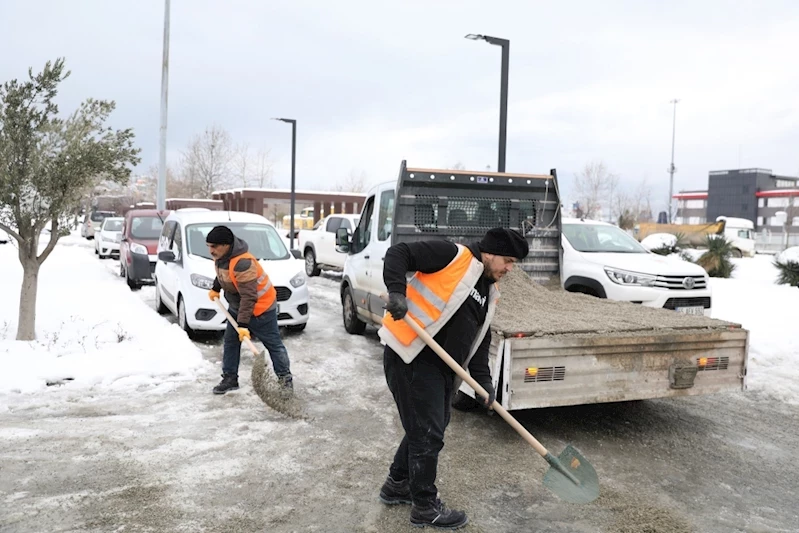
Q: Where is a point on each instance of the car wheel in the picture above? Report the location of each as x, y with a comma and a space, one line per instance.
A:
160, 308
182, 322
352, 323
131, 283
121, 269
311, 268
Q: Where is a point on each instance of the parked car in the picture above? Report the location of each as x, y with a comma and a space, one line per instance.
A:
106, 242
185, 270
602, 260
318, 245
138, 244
92, 222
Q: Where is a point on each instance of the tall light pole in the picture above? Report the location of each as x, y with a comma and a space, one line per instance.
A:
293, 123
503, 92
672, 169
160, 202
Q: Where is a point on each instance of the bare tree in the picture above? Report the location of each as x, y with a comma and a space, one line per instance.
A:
355, 182
241, 165
591, 185
206, 162
263, 169
175, 186
631, 208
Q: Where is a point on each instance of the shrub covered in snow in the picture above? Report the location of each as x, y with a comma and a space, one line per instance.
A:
787, 263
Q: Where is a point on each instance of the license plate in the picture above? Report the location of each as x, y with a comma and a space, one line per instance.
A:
699, 311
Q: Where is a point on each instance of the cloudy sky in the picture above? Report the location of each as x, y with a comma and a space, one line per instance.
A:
373, 82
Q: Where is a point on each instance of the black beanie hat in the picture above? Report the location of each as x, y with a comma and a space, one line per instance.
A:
220, 235
505, 242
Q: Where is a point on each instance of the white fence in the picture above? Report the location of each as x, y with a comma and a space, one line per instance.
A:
769, 242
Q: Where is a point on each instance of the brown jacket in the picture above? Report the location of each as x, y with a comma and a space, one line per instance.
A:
246, 274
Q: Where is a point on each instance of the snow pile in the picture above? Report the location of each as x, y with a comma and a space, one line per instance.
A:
788, 255
769, 311
659, 240
91, 330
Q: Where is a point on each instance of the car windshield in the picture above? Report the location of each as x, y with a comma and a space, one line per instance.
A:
112, 225
99, 216
146, 228
600, 238
263, 240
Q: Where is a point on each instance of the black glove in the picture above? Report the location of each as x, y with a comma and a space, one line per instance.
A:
492, 395
396, 305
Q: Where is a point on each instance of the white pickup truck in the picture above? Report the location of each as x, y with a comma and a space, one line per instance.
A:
318, 245
594, 358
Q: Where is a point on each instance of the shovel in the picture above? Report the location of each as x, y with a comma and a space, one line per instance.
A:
570, 476
263, 382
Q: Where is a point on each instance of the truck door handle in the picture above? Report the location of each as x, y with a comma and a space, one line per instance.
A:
366, 257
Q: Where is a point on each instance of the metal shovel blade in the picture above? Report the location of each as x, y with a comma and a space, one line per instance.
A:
572, 477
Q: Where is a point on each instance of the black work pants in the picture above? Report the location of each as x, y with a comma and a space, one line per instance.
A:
423, 393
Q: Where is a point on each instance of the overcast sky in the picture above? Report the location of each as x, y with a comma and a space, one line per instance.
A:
372, 82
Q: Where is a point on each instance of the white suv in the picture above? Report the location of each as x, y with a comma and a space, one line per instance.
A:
602, 260
184, 272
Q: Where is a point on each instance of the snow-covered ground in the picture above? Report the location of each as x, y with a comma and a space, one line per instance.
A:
771, 314
91, 329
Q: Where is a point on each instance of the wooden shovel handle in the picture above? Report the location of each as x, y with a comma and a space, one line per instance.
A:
430, 341
233, 323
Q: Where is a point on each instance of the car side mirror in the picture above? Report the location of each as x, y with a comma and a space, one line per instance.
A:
167, 256
342, 240
296, 253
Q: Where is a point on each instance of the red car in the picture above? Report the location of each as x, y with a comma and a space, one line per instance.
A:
137, 250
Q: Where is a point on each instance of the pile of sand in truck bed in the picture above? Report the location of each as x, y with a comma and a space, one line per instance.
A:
527, 307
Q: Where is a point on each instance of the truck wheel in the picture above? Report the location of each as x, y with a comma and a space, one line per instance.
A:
737, 253
311, 268
352, 323
463, 402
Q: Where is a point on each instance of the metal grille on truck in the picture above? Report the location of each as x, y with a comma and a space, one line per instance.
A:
674, 303
546, 373
467, 214
712, 363
283, 293
681, 283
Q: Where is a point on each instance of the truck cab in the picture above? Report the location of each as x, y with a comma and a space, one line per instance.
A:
741, 233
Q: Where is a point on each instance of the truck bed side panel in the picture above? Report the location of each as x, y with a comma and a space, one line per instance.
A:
572, 370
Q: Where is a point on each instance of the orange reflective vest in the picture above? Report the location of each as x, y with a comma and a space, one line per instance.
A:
267, 295
432, 300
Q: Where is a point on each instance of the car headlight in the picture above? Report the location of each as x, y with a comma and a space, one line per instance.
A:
622, 277
298, 280
138, 248
202, 282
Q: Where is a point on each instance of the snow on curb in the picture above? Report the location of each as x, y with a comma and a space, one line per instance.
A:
91, 330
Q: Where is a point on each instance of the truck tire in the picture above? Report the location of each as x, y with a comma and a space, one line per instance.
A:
352, 323
463, 402
737, 253
311, 268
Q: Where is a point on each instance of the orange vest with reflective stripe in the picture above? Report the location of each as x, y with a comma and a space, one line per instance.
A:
267, 295
432, 300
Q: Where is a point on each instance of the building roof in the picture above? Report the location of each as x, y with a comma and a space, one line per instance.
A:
776, 193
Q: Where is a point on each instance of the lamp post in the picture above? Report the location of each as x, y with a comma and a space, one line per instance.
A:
503, 92
160, 201
672, 169
293, 123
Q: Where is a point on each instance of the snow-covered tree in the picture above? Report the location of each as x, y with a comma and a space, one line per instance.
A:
47, 164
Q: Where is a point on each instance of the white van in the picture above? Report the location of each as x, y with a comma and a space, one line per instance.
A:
741, 233
184, 272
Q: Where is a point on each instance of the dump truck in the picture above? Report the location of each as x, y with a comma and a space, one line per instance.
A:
549, 347
739, 231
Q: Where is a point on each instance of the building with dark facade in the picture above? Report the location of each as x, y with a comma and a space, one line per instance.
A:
755, 194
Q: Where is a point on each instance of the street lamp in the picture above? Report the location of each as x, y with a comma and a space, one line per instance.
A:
503, 92
293, 162
672, 169
160, 196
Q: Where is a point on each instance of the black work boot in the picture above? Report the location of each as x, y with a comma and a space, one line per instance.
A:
438, 516
286, 383
394, 492
229, 382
